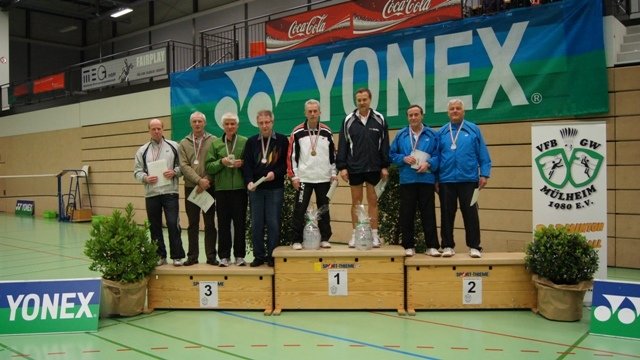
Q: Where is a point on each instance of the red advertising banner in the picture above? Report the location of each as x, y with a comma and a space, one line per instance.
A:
356, 18
49, 83
21, 90
328, 24
377, 16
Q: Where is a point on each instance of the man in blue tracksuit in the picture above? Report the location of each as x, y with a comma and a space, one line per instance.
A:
465, 165
415, 151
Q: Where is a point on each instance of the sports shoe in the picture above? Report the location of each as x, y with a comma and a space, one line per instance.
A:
475, 253
271, 263
224, 262
190, 262
433, 252
256, 263
213, 262
161, 262
325, 245
376, 241
352, 242
409, 252
177, 262
448, 252
240, 262
296, 246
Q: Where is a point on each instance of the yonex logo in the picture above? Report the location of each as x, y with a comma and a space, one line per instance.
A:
625, 315
243, 80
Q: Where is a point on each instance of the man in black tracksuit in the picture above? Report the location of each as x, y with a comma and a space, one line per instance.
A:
363, 156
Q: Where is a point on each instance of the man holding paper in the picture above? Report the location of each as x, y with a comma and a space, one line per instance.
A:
198, 189
265, 166
415, 151
465, 166
157, 166
311, 167
363, 156
224, 163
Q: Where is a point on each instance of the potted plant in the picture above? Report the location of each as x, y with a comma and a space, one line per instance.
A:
563, 264
125, 256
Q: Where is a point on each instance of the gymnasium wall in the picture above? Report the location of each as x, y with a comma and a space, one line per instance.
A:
112, 129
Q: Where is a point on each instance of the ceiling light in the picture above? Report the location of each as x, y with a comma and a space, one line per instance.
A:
121, 11
68, 29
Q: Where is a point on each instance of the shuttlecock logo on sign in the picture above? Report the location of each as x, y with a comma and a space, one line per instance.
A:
577, 166
625, 315
243, 79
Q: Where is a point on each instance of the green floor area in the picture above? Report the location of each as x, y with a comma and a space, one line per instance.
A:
45, 249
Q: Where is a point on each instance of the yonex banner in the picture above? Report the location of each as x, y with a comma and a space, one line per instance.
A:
569, 180
538, 62
44, 306
615, 309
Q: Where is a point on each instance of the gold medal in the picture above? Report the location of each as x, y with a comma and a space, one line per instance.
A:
313, 153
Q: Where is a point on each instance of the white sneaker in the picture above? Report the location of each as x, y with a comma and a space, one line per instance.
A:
376, 241
448, 252
161, 262
296, 246
433, 252
409, 252
177, 262
352, 242
240, 262
475, 253
325, 245
224, 262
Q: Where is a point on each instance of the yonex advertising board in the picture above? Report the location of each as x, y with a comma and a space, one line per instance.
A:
615, 309
544, 61
48, 306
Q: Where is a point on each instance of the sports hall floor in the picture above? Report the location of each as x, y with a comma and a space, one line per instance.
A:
38, 248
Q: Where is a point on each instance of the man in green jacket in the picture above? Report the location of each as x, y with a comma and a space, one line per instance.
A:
224, 163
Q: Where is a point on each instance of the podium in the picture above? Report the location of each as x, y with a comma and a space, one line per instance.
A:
339, 278
204, 286
495, 281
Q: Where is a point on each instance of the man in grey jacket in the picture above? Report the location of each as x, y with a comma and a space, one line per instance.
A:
157, 166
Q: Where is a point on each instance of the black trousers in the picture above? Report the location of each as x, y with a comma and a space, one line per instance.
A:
232, 206
450, 195
303, 197
210, 234
418, 196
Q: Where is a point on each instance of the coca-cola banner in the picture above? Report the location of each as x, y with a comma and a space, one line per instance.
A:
530, 63
314, 27
356, 18
376, 16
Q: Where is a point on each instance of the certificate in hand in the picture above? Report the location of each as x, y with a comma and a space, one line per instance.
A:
420, 157
379, 188
204, 200
157, 168
475, 196
332, 189
260, 181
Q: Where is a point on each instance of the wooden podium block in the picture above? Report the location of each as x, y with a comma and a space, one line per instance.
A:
495, 281
239, 287
339, 278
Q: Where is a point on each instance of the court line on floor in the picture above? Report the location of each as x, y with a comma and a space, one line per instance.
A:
405, 318
181, 339
17, 353
573, 346
124, 346
47, 252
334, 337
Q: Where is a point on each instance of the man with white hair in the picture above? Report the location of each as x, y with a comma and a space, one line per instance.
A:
465, 165
224, 163
193, 152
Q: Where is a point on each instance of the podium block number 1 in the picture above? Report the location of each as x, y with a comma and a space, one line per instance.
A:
338, 283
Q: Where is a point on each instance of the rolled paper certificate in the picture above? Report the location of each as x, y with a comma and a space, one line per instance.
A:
260, 181
332, 189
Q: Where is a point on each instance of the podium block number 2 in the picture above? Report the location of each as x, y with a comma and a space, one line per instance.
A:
338, 283
471, 291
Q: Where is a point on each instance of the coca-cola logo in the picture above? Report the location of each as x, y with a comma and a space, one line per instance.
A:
404, 7
315, 25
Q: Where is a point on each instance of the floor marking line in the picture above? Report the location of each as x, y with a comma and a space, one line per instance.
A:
317, 333
573, 346
130, 323
501, 334
16, 352
125, 347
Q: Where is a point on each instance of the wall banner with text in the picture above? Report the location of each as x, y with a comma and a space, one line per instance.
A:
569, 180
545, 61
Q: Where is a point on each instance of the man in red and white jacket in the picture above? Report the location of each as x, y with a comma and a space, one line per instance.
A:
311, 167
